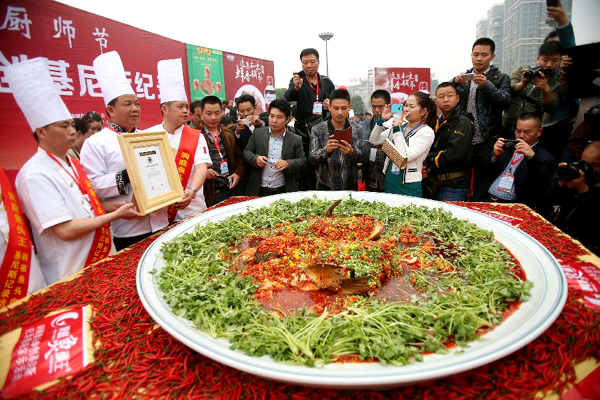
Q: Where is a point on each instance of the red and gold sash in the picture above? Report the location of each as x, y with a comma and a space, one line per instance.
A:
102, 241
14, 272
184, 160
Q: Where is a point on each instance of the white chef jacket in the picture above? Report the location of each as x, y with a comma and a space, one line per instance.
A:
101, 159
36, 278
49, 197
202, 156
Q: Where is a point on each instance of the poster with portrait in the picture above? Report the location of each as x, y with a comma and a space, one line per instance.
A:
249, 75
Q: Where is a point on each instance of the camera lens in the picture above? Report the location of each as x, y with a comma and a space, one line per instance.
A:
567, 173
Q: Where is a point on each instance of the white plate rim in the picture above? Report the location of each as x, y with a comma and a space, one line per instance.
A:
344, 375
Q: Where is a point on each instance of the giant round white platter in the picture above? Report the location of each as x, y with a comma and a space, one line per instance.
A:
534, 316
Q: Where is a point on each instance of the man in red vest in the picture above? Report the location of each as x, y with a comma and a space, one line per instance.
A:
70, 226
191, 153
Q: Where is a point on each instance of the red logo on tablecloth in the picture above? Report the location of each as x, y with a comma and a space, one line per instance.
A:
511, 220
585, 277
46, 350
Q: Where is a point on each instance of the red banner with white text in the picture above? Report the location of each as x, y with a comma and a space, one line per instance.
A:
248, 75
70, 39
401, 82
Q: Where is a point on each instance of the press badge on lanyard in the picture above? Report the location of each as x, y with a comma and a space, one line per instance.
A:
373, 155
317, 105
507, 179
223, 164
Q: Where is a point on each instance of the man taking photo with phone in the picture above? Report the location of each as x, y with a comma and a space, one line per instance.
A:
311, 92
336, 160
484, 93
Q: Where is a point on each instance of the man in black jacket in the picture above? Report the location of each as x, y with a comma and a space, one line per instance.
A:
572, 204
311, 92
518, 172
484, 93
448, 162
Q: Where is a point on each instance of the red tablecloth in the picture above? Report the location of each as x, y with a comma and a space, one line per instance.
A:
135, 357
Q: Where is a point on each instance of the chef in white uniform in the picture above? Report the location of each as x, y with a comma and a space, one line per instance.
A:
101, 154
52, 186
175, 110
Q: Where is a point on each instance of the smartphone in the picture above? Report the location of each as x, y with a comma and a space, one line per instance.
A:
468, 77
396, 108
551, 3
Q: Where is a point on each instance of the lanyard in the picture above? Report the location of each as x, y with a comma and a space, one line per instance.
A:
75, 176
313, 88
516, 158
216, 141
411, 131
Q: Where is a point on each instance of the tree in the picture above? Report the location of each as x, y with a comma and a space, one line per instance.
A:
280, 92
358, 105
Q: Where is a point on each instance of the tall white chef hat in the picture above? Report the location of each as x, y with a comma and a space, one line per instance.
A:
35, 93
111, 76
170, 81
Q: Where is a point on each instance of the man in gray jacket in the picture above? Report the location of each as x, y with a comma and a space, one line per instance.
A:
275, 154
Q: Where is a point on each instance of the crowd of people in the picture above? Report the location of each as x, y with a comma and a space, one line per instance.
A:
482, 136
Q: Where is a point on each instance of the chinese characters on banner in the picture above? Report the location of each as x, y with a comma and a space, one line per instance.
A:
401, 82
249, 75
51, 348
585, 277
70, 39
228, 76
15, 267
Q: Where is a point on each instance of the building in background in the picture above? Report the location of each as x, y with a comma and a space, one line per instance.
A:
518, 27
361, 87
496, 31
482, 28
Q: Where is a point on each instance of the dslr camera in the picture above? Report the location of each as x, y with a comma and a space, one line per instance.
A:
570, 171
509, 144
534, 72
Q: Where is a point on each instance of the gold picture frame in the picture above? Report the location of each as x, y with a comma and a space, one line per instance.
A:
152, 171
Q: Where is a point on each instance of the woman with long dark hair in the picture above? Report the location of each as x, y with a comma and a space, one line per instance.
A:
413, 135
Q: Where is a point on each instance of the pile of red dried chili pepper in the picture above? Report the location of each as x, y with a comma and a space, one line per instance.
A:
134, 357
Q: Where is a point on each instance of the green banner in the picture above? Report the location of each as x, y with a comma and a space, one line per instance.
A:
205, 67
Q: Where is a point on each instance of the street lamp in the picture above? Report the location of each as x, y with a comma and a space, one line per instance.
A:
326, 36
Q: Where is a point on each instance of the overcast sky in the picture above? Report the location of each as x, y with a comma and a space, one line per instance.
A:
419, 33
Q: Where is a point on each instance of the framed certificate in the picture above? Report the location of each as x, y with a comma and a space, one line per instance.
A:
151, 168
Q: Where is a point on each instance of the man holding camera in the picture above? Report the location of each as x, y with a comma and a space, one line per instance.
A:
534, 89
519, 170
574, 196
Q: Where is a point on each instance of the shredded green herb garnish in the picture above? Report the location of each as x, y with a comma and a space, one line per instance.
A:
199, 285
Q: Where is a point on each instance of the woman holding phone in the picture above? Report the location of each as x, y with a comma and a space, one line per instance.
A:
413, 135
